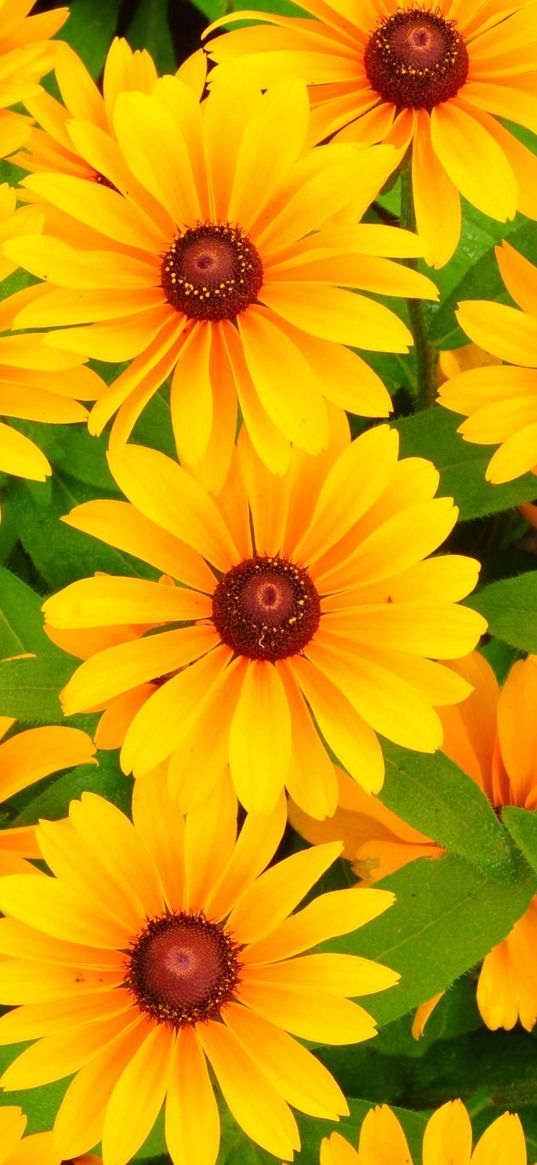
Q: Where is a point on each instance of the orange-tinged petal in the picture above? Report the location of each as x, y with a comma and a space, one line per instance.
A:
503, 1141
56, 1056
266, 903
98, 207
121, 668
174, 501
382, 1140
436, 199
13, 1124
272, 139
345, 731
309, 1013
329, 915
33, 1020
191, 399
335, 1150
300, 415
260, 738
20, 456
311, 780
137, 1097
161, 828
157, 153
192, 1126
209, 842
89, 1092
39, 751
256, 844
56, 907
467, 153
448, 1136
519, 276
22, 982
290, 1069
355, 481
107, 599
335, 974
337, 315
176, 704
202, 758
517, 732
516, 456
256, 1106
119, 524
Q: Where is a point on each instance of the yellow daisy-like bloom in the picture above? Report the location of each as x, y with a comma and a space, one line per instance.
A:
26, 54
491, 735
160, 947
447, 1140
501, 403
50, 145
219, 262
16, 1149
433, 77
24, 759
307, 602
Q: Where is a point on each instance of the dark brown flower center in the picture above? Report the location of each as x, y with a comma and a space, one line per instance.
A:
212, 272
182, 968
416, 59
266, 608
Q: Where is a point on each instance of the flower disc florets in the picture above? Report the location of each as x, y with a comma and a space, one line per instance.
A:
182, 968
416, 59
266, 608
212, 272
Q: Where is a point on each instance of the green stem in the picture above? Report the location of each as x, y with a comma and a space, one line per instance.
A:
426, 354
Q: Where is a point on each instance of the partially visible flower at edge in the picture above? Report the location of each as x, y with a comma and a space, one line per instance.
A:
432, 78
447, 1140
308, 605
164, 946
501, 402
492, 736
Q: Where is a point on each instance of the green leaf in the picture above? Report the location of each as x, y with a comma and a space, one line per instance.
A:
446, 918
522, 825
212, 9
53, 801
435, 796
510, 606
29, 688
60, 553
83, 457
149, 29
90, 29
21, 621
433, 434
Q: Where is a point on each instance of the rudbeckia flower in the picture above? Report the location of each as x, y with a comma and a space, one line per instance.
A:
447, 1140
50, 146
306, 609
24, 759
216, 258
36, 383
491, 736
160, 948
501, 402
16, 1149
434, 78
26, 54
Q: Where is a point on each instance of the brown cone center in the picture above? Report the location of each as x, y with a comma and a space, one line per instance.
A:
212, 272
416, 59
182, 968
266, 608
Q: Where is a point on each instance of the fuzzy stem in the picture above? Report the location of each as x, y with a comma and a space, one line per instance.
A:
426, 354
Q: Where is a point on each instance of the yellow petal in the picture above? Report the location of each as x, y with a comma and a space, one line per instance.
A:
260, 738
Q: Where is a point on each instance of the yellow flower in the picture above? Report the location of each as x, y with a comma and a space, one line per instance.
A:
492, 737
26, 54
51, 146
431, 77
306, 595
15, 1149
24, 759
501, 402
161, 947
447, 1140
219, 262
